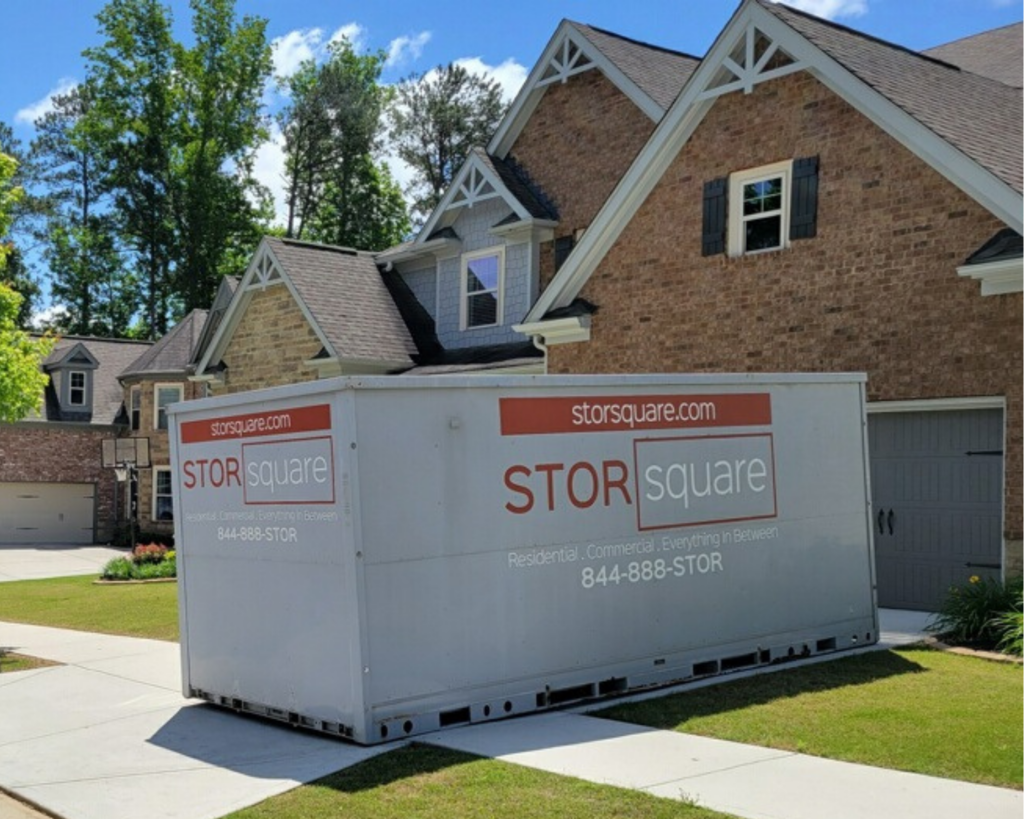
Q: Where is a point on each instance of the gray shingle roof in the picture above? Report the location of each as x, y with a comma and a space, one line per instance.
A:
997, 54
977, 115
113, 355
344, 292
173, 352
658, 72
513, 178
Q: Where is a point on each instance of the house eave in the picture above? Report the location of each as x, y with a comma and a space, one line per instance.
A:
998, 277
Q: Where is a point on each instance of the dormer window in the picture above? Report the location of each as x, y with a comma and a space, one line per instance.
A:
166, 394
76, 389
483, 275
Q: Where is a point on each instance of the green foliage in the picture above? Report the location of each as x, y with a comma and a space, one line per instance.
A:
148, 562
22, 380
1010, 628
968, 614
17, 276
436, 120
119, 568
336, 192
10, 195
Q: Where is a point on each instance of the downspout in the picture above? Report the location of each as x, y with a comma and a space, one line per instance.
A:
538, 342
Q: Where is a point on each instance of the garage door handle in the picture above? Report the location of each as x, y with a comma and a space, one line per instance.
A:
983, 565
892, 517
881, 521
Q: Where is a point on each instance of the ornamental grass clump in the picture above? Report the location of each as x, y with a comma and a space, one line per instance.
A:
980, 613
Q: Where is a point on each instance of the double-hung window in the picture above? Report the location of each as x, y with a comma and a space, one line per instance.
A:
759, 202
166, 394
76, 388
135, 398
163, 503
483, 278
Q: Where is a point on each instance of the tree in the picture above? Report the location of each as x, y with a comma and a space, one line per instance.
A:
331, 130
436, 120
22, 380
177, 128
89, 276
16, 275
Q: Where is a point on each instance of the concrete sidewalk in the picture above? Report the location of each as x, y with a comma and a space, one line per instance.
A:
53, 560
109, 736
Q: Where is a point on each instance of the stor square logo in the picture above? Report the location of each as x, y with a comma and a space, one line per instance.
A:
292, 471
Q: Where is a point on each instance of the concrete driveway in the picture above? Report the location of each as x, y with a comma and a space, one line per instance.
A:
32, 562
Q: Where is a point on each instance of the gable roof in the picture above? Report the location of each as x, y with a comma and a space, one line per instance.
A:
649, 75
173, 352
341, 294
979, 116
996, 54
659, 72
967, 127
112, 356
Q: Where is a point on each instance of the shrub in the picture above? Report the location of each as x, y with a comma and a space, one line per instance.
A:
1010, 627
971, 613
152, 571
120, 568
149, 553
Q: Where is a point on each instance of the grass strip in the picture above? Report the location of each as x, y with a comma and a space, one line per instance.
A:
433, 783
145, 610
915, 710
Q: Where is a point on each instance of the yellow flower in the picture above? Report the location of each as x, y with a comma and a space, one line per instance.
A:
975, 578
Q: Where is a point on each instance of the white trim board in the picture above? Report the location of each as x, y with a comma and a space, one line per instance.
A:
937, 404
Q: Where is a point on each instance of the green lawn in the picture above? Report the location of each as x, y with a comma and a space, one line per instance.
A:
913, 710
431, 783
18, 662
142, 610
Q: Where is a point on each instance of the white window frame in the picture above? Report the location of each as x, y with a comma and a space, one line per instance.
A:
156, 483
737, 233
156, 400
464, 296
135, 421
84, 388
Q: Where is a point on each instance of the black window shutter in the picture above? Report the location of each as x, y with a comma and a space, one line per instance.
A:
715, 196
803, 206
563, 247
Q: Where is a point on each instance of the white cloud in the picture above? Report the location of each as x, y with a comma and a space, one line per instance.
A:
830, 9
353, 32
268, 168
294, 48
510, 75
43, 319
406, 49
30, 113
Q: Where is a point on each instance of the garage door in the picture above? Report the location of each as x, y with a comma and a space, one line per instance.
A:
937, 486
47, 512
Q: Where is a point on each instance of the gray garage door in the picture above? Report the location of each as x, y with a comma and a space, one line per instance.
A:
936, 482
46, 512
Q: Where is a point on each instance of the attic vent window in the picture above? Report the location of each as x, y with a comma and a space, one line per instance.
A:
569, 59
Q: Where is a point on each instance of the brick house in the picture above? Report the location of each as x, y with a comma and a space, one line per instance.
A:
818, 200
52, 486
605, 223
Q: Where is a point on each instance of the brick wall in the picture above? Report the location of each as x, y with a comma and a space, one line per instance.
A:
270, 344
876, 291
60, 454
580, 140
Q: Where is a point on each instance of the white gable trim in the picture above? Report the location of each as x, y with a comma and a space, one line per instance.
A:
555, 53
466, 190
264, 271
689, 109
1004, 276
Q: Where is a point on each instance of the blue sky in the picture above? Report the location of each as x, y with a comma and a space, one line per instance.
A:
44, 39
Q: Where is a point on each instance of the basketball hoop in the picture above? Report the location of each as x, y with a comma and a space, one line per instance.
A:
126, 456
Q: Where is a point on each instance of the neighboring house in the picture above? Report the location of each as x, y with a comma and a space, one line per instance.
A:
819, 200
151, 383
802, 198
52, 486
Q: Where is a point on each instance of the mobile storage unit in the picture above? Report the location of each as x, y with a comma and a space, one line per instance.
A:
383, 556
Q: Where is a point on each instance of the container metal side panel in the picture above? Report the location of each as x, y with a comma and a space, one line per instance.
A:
505, 545
268, 589
181, 562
